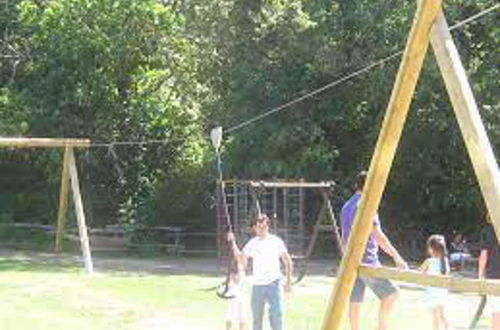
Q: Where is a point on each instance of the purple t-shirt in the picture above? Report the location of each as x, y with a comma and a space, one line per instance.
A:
347, 217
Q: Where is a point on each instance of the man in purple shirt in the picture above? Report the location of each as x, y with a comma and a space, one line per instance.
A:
384, 289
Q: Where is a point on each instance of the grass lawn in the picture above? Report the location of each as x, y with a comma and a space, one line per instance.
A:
43, 292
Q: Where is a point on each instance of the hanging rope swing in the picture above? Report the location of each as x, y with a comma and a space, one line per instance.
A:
222, 290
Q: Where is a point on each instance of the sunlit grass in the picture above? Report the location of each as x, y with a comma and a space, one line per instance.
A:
47, 293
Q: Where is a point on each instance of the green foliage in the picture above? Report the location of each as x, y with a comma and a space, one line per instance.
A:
124, 70
268, 57
111, 70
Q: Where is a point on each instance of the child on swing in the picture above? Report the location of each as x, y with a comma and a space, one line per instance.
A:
436, 264
237, 306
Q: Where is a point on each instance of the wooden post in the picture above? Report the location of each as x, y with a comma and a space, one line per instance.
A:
236, 220
316, 230
275, 202
286, 215
382, 159
256, 202
454, 284
244, 189
468, 117
80, 215
331, 217
301, 219
43, 143
63, 201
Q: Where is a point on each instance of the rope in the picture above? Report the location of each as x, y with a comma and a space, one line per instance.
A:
474, 17
317, 91
349, 76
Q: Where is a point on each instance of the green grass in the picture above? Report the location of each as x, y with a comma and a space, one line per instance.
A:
46, 293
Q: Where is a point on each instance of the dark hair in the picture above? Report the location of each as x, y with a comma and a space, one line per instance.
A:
361, 179
259, 218
438, 243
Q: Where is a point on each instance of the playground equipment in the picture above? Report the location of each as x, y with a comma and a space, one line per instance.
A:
69, 180
429, 26
300, 211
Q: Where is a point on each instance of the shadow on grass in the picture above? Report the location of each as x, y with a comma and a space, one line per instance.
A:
41, 264
129, 265
121, 265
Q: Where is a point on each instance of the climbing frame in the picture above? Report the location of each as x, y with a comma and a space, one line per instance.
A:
299, 211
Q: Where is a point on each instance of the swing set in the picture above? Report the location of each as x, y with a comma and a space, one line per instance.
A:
285, 201
429, 28
300, 212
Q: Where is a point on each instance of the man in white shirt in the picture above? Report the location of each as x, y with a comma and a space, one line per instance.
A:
266, 251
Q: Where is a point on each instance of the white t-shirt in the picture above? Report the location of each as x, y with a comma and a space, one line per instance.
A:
265, 253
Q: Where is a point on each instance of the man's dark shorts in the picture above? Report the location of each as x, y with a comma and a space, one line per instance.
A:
382, 288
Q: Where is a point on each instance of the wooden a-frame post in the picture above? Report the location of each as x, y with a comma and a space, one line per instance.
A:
63, 202
69, 178
80, 214
429, 23
469, 120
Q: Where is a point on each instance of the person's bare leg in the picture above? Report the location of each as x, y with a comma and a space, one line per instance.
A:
436, 319
386, 308
354, 315
442, 317
496, 320
243, 326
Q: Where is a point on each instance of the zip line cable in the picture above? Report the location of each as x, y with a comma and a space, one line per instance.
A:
305, 96
474, 17
349, 76
313, 93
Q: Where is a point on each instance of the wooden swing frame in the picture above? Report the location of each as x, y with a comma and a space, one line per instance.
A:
326, 213
69, 178
429, 27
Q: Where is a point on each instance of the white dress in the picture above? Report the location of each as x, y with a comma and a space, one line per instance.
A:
238, 307
435, 297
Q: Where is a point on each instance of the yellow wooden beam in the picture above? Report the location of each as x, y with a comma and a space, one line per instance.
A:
80, 214
63, 201
290, 184
454, 284
396, 113
43, 143
468, 117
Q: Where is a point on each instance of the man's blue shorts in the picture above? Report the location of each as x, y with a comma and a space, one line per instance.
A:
382, 288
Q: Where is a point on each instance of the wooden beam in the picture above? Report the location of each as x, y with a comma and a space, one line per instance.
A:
317, 228
256, 202
80, 214
43, 143
333, 221
291, 184
63, 201
454, 284
392, 127
468, 117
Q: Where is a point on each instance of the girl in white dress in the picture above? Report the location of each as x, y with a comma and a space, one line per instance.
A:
436, 264
237, 311
237, 306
